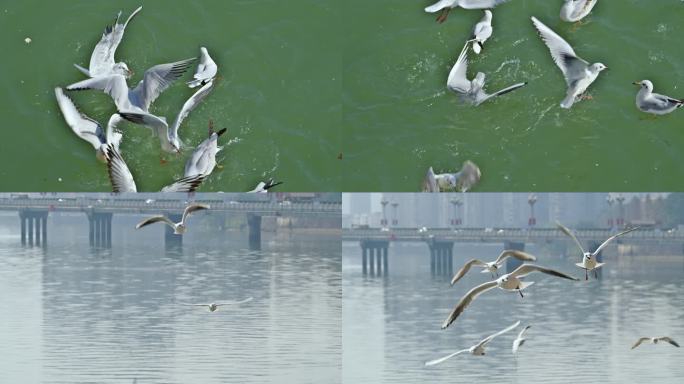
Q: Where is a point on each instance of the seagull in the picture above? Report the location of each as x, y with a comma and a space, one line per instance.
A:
655, 103
520, 340
576, 10
206, 70
178, 228
102, 59
189, 105
133, 104
482, 31
492, 266
214, 306
446, 5
589, 261
88, 129
508, 282
655, 340
579, 74
463, 180
122, 179
477, 349
203, 159
264, 186
472, 91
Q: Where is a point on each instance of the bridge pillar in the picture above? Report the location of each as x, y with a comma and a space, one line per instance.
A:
385, 263
364, 257
33, 221
441, 253
254, 223
30, 230
171, 240
511, 262
23, 219
374, 252
371, 263
100, 229
593, 245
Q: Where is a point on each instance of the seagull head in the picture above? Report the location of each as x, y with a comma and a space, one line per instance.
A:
645, 84
587, 255
598, 67
488, 14
122, 69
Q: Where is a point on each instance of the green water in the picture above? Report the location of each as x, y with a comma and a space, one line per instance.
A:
279, 94
399, 118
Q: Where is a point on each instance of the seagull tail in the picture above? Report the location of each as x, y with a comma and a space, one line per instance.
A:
194, 83
568, 102
83, 70
436, 7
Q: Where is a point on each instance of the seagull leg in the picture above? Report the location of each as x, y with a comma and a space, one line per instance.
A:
443, 16
595, 274
520, 292
586, 275
586, 96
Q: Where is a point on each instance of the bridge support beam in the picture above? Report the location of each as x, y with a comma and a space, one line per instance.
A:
254, 224
511, 262
441, 257
100, 229
374, 252
33, 220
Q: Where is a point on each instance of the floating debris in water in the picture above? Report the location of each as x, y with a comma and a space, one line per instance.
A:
28, 40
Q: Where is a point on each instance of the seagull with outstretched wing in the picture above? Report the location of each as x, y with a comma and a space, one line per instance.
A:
214, 306
477, 349
178, 228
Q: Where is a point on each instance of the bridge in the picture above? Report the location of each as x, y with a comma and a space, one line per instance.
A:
375, 242
34, 210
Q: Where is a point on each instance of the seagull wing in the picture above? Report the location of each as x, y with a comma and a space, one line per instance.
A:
491, 337
102, 59
113, 85
112, 135
520, 255
82, 125
605, 243
189, 105
565, 230
466, 267
185, 184
457, 80
235, 302
482, 96
564, 56
430, 182
445, 358
119, 174
526, 269
520, 335
638, 343
157, 79
156, 219
479, 4
192, 208
466, 300
669, 340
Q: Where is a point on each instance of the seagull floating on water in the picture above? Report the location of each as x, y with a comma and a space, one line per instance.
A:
520, 340
482, 31
509, 282
264, 186
655, 103
87, 128
492, 266
206, 70
576, 10
446, 5
655, 340
178, 228
472, 91
589, 261
462, 181
214, 306
578, 73
477, 349
102, 59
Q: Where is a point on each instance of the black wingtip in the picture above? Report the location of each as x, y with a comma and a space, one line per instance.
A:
221, 132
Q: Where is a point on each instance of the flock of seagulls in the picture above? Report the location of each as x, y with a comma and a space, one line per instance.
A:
578, 73
515, 282
133, 105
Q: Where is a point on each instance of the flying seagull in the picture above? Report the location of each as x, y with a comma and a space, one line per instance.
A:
655, 103
520, 340
578, 73
178, 228
188, 106
446, 5
477, 349
122, 179
88, 129
462, 181
264, 186
655, 340
492, 266
133, 104
206, 70
203, 159
482, 31
214, 306
576, 10
508, 282
589, 261
102, 60
472, 91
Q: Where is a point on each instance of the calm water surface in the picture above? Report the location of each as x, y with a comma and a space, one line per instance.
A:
71, 314
581, 332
